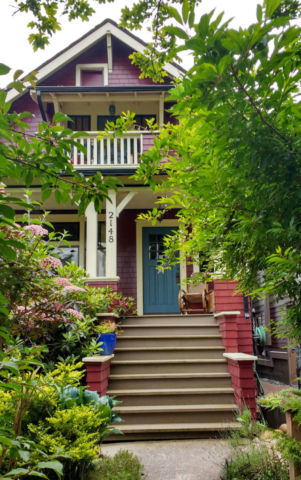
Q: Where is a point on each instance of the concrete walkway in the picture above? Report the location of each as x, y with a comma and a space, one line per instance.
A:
177, 460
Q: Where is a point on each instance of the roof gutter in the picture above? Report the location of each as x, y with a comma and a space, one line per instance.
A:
104, 89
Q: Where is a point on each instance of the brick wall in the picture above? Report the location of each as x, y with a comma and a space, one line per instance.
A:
225, 300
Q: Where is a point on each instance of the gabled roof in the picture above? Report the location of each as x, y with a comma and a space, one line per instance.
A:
87, 41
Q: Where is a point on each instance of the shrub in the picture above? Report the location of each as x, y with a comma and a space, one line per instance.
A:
256, 463
123, 466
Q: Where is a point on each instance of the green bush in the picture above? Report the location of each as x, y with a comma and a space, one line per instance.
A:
123, 466
256, 463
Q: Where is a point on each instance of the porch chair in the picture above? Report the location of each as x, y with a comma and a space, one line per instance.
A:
196, 294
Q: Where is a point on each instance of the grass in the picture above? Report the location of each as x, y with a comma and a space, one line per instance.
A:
256, 463
123, 466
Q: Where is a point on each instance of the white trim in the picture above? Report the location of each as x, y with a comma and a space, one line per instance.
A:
139, 257
91, 240
98, 358
125, 202
109, 51
102, 279
226, 314
240, 357
83, 45
111, 233
102, 67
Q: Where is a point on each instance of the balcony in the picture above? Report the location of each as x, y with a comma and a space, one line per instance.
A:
102, 153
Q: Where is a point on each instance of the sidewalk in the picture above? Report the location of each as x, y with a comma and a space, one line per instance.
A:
178, 459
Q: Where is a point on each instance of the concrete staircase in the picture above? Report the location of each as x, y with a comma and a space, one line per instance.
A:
171, 376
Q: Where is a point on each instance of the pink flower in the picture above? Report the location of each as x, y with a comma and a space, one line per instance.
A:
2, 188
51, 262
75, 313
64, 282
58, 306
36, 230
21, 308
73, 288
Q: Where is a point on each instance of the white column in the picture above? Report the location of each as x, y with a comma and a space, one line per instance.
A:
111, 236
92, 230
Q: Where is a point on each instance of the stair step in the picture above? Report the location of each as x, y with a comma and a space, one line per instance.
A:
168, 329
172, 431
170, 414
161, 353
176, 408
130, 367
169, 375
168, 341
184, 380
172, 391
171, 319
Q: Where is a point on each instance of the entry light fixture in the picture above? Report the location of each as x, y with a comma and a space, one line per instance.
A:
112, 109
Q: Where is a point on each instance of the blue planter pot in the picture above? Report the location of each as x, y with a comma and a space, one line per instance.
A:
108, 341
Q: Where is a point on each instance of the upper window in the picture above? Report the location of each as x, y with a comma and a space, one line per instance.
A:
140, 120
80, 123
90, 78
91, 75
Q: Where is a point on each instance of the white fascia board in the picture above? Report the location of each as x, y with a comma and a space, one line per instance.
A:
73, 52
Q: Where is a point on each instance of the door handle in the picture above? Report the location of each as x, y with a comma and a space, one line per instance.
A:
177, 277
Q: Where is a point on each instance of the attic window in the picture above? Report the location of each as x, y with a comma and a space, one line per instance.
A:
90, 78
91, 75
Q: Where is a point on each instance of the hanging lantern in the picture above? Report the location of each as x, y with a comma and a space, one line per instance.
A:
112, 109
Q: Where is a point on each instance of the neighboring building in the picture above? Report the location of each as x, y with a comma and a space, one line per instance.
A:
276, 360
169, 370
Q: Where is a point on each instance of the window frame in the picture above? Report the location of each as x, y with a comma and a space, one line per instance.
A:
80, 116
94, 67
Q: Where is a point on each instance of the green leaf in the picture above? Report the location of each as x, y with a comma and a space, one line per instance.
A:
185, 10
259, 13
271, 6
46, 194
191, 19
7, 211
17, 74
177, 32
57, 196
11, 366
4, 69
6, 441
24, 454
175, 14
17, 86
53, 465
60, 117
7, 252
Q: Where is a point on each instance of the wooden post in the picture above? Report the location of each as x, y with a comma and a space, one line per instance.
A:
294, 432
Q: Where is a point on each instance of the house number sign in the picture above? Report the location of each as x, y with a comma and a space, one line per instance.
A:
111, 231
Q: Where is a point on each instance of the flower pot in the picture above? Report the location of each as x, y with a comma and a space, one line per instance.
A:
108, 341
273, 418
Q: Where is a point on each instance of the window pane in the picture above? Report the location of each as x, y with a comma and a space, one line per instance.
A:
71, 227
80, 123
101, 250
68, 254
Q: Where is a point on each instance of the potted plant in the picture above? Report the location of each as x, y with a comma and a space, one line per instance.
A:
272, 407
106, 337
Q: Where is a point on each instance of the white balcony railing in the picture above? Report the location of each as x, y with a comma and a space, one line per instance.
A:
121, 151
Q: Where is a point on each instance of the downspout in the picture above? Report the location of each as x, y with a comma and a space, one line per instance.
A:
40, 103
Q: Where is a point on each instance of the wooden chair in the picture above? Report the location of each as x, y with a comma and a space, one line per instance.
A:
196, 294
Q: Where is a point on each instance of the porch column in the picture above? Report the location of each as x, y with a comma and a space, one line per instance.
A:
111, 236
92, 227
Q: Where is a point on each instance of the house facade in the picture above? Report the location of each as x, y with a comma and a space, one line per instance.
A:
93, 81
178, 376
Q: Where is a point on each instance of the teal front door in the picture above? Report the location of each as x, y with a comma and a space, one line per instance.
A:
160, 290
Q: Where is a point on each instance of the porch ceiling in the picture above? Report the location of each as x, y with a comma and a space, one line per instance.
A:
144, 199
